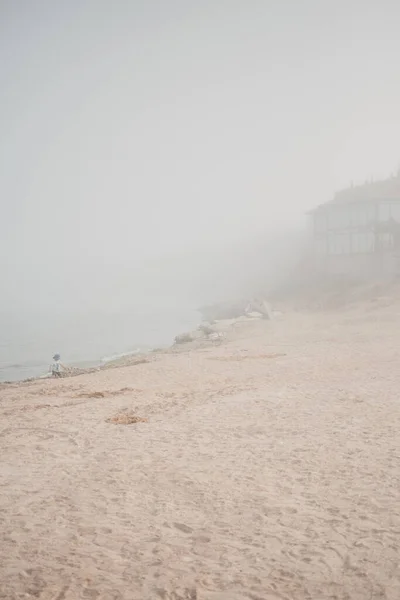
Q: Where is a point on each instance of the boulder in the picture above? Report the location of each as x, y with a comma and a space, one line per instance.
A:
206, 329
183, 338
260, 306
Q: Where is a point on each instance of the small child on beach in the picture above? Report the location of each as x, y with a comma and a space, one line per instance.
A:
56, 367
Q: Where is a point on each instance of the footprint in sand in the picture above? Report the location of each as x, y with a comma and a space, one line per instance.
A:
183, 527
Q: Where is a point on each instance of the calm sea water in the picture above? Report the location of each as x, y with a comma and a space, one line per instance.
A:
28, 342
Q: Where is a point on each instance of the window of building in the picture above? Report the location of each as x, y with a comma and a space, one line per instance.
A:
362, 242
338, 243
384, 211
395, 211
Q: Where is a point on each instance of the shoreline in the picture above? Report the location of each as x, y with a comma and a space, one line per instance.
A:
74, 371
85, 341
140, 357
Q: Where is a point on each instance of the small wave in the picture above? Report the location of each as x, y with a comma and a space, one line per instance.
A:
107, 359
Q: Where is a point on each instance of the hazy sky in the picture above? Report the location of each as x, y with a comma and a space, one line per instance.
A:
132, 128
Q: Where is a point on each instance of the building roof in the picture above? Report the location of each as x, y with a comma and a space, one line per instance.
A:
385, 189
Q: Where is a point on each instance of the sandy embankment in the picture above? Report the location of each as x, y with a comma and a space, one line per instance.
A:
268, 469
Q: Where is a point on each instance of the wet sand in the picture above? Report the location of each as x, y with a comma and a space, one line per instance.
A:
268, 468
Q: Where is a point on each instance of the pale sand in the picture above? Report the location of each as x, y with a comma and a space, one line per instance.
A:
256, 477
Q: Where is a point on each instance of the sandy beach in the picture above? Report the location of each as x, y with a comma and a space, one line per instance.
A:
266, 468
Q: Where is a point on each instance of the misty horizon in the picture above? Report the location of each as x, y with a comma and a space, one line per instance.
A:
164, 154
